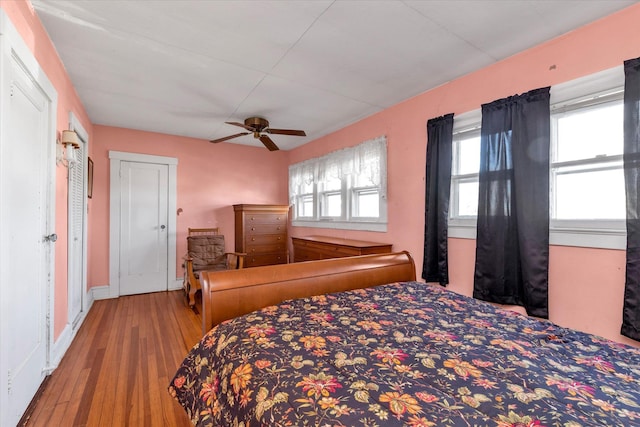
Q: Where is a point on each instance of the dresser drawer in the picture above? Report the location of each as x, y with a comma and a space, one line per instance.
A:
304, 254
265, 259
265, 218
265, 239
265, 248
267, 228
338, 251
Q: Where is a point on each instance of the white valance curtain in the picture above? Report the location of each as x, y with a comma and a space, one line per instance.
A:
366, 162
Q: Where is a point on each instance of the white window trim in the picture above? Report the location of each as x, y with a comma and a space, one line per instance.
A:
590, 234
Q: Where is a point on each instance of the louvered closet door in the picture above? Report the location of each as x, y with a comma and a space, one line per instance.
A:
77, 194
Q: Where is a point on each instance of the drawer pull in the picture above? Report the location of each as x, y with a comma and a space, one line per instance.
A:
253, 239
253, 229
278, 228
279, 238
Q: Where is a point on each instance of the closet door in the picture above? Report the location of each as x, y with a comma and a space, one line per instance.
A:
76, 226
143, 234
27, 144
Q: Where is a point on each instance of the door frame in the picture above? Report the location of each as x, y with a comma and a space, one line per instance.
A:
12, 45
83, 135
115, 158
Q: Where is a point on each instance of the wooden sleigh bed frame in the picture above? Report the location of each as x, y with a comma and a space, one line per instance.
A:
403, 353
232, 293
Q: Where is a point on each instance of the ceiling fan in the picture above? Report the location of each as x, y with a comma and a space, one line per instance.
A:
260, 127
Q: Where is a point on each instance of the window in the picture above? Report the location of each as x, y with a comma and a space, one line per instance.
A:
587, 178
587, 193
302, 187
344, 189
465, 174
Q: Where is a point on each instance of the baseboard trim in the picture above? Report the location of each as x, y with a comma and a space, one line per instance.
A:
176, 285
60, 348
101, 292
65, 339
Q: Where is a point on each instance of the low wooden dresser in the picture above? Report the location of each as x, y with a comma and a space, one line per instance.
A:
261, 233
321, 247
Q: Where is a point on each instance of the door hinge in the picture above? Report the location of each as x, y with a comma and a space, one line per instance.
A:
9, 382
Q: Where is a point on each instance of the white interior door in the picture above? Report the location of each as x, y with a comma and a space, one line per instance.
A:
143, 227
26, 253
76, 227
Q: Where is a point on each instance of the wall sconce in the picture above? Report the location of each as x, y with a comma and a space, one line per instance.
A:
66, 147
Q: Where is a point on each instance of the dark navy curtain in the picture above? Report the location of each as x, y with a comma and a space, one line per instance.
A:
631, 310
512, 248
435, 266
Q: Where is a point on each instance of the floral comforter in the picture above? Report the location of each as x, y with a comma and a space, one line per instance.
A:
405, 354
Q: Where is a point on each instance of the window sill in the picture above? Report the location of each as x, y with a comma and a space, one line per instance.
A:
578, 237
343, 225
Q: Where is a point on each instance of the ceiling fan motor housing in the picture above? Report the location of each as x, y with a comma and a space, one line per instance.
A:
257, 123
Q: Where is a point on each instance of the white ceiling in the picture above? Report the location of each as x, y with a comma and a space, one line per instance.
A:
185, 67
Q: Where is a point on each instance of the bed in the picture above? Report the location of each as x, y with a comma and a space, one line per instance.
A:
359, 342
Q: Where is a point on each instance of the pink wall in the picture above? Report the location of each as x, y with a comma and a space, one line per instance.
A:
27, 23
211, 179
586, 285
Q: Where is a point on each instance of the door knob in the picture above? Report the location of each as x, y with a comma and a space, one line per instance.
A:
162, 227
51, 237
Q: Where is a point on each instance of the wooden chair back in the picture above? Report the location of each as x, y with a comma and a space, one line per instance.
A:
203, 231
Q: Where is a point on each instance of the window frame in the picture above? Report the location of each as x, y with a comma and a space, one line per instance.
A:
597, 163
347, 220
301, 197
355, 205
460, 178
465, 126
324, 205
596, 89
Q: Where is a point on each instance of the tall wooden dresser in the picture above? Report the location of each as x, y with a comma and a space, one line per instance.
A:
261, 233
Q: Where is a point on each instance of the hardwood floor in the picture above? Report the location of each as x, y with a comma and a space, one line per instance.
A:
117, 369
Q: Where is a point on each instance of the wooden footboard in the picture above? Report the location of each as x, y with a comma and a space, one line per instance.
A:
231, 293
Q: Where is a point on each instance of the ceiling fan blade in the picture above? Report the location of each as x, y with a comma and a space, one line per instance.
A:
242, 125
292, 132
268, 143
229, 137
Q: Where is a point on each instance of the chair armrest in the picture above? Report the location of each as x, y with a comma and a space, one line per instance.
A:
239, 258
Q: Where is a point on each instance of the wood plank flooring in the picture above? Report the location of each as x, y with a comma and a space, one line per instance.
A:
117, 369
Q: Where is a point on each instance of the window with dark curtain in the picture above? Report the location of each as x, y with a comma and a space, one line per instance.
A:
435, 266
631, 310
512, 248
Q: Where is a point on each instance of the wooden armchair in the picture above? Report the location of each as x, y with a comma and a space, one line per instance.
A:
205, 252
